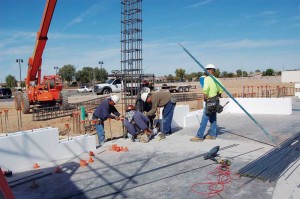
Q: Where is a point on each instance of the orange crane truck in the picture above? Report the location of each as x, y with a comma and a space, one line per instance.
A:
47, 91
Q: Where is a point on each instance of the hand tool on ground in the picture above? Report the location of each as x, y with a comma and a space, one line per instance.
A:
213, 154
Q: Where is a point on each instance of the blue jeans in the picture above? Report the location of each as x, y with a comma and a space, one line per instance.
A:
101, 133
167, 116
213, 125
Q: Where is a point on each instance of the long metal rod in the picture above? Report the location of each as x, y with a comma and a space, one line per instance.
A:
217, 82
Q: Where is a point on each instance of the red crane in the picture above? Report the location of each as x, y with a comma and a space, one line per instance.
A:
46, 91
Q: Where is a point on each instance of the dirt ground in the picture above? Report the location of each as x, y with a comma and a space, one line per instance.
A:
11, 122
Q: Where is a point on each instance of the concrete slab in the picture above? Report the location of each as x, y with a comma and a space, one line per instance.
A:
169, 168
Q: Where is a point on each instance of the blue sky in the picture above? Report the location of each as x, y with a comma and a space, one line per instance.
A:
232, 34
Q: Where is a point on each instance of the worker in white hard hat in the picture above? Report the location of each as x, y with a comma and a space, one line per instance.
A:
104, 111
161, 99
212, 91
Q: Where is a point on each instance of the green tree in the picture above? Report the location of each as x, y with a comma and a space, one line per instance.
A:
170, 78
257, 71
217, 72
67, 73
245, 74
270, 72
179, 73
224, 74
85, 76
10, 81
189, 77
230, 75
239, 73
100, 74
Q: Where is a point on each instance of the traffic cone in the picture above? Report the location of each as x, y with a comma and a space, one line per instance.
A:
36, 165
83, 163
57, 170
91, 159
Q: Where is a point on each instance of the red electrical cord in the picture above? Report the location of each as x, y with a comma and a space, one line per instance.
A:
223, 177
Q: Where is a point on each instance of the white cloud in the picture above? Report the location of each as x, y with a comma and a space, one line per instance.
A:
96, 8
199, 4
247, 44
267, 13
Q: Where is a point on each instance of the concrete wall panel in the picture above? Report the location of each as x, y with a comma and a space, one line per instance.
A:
281, 106
179, 113
22, 149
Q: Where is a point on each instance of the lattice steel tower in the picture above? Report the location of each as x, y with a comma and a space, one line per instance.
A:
131, 49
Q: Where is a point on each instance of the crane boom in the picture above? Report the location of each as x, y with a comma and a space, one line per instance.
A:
35, 61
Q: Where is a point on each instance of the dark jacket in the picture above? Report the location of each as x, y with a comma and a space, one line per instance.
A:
104, 110
140, 120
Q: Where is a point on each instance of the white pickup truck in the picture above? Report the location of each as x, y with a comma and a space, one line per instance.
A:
111, 86
84, 89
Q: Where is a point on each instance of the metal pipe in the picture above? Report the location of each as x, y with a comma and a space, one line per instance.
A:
228, 93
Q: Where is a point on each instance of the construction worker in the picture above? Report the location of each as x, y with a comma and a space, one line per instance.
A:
161, 99
102, 113
212, 91
137, 124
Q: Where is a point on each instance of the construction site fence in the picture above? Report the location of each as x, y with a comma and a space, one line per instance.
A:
40, 114
266, 92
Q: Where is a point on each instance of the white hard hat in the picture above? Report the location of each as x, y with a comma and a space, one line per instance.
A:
115, 98
210, 66
144, 96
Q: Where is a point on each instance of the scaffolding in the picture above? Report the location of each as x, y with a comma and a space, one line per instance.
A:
131, 50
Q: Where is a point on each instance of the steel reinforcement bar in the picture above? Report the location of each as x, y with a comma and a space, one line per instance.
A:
40, 114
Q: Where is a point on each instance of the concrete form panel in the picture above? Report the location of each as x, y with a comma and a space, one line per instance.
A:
22, 149
290, 76
277, 106
179, 113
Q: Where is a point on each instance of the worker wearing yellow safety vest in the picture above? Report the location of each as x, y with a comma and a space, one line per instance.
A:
212, 91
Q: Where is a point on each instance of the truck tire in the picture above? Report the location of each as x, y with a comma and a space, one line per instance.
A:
17, 100
25, 104
106, 91
186, 89
180, 89
63, 100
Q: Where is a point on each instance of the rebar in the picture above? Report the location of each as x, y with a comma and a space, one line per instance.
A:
131, 50
270, 166
1, 121
6, 119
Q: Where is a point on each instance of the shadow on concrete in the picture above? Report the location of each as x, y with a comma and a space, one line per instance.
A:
126, 179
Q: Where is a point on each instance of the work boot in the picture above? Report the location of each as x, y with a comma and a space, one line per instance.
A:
161, 136
209, 137
144, 138
196, 139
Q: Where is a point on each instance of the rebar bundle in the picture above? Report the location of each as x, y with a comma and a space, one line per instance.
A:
271, 165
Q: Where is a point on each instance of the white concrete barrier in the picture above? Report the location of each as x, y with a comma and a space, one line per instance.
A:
282, 106
179, 113
274, 106
22, 149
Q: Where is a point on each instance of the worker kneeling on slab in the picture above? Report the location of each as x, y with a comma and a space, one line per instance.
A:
137, 124
161, 99
212, 91
102, 113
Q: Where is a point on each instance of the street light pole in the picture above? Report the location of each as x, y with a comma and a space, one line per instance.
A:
20, 61
55, 67
101, 62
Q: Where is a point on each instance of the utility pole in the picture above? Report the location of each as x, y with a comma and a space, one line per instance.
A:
55, 67
20, 61
101, 62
